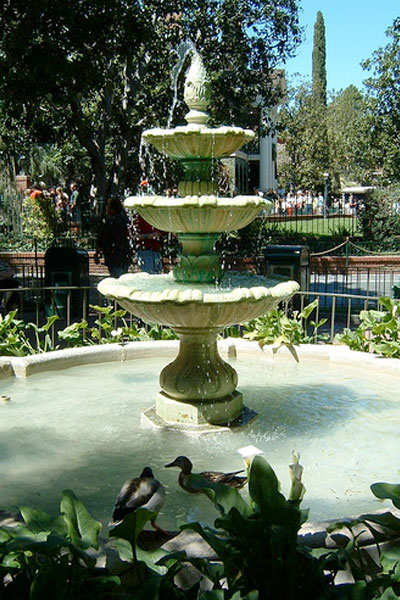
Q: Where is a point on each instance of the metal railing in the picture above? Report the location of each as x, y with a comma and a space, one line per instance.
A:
342, 311
301, 223
38, 303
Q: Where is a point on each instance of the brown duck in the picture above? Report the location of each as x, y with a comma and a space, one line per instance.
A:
186, 466
142, 492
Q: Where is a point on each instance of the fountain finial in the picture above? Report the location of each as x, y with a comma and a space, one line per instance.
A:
197, 92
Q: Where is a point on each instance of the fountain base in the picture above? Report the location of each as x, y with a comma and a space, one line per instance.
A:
150, 418
223, 411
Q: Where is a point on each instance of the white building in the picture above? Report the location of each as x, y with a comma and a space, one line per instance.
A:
257, 167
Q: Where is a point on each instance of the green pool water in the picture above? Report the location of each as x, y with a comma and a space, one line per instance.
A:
80, 428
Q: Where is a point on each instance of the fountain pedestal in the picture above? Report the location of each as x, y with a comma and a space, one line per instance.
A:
199, 386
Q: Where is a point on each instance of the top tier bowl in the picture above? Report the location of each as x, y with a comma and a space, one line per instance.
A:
196, 141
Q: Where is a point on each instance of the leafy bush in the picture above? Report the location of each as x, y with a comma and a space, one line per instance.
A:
259, 557
279, 329
385, 584
53, 558
39, 217
378, 218
16, 341
378, 332
18, 338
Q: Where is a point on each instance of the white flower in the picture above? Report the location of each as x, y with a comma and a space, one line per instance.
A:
248, 453
116, 332
297, 489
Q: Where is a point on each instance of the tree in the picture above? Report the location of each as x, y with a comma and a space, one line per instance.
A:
304, 140
319, 61
383, 88
349, 138
319, 95
99, 70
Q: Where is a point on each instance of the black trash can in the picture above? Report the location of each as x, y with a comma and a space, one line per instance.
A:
66, 267
291, 262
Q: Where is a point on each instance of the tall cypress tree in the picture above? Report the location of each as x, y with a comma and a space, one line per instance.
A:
319, 61
320, 147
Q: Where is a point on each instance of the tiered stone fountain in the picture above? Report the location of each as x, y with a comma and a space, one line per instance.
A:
198, 387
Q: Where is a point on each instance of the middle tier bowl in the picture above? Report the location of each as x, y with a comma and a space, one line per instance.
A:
198, 214
160, 299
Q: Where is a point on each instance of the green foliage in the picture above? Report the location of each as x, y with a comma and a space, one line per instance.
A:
102, 83
39, 217
15, 338
277, 328
349, 134
259, 557
378, 332
257, 542
378, 218
384, 585
319, 61
302, 129
47, 557
18, 338
106, 331
384, 104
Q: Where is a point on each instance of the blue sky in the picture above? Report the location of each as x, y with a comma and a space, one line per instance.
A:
353, 29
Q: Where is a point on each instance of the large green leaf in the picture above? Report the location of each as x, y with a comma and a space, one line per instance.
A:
264, 486
217, 543
388, 594
307, 310
132, 524
224, 497
386, 519
389, 491
82, 528
214, 595
38, 521
39, 542
390, 561
214, 571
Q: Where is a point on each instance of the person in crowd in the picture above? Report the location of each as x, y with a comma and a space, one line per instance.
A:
320, 204
36, 191
309, 202
114, 239
149, 241
75, 205
62, 207
9, 300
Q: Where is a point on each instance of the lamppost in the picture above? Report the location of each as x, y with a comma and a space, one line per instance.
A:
326, 177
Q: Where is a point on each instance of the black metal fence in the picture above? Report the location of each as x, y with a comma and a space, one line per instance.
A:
36, 304
313, 225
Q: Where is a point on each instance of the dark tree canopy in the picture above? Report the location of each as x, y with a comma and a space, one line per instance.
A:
100, 70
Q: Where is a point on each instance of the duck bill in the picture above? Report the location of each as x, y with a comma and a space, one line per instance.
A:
170, 465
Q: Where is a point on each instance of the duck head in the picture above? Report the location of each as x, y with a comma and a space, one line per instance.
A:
147, 472
183, 463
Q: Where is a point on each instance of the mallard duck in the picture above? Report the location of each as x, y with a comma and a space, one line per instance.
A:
142, 492
186, 466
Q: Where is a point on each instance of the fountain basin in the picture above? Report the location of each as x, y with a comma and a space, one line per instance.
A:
198, 214
161, 299
336, 407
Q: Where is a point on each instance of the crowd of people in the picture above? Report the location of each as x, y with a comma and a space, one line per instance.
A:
67, 206
310, 203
